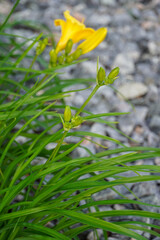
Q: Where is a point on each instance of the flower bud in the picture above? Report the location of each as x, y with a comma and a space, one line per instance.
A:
61, 59
113, 74
69, 59
41, 46
53, 56
77, 53
101, 76
45, 41
67, 114
67, 126
76, 121
68, 47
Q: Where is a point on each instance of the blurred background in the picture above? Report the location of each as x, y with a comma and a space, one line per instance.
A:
132, 43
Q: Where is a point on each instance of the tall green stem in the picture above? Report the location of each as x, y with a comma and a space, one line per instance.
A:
30, 67
88, 99
54, 153
51, 158
42, 80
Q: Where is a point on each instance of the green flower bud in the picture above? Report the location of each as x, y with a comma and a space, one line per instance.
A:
77, 53
101, 76
67, 126
76, 121
41, 46
61, 59
109, 81
67, 114
53, 56
45, 41
68, 46
69, 59
113, 74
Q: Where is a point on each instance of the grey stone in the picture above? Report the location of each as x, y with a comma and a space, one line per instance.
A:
122, 106
103, 106
19, 198
103, 20
157, 161
139, 138
155, 122
98, 128
87, 69
78, 100
132, 90
135, 12
21, 139
151, 199
145, 189
153, 93
108, 2
152, 138
82, 152
154, 109
95, 2
50, 146
126, 124
114, 134
106, 92
121, 19
105, 208
131, 49
149, 14
119, 207
39, 161
5, 7
107, 194
134, 55
136, 33
121, 188
84, 176
140, 113
146, 70
152, 48
48, 177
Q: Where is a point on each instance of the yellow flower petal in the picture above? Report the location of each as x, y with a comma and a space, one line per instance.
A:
70, 28
83, 34
76, 31
93, 40
72, 19
59, 22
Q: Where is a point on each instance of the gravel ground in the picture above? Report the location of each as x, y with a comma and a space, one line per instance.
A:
133, 44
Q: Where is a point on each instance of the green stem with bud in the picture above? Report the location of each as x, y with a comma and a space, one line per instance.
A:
88, 99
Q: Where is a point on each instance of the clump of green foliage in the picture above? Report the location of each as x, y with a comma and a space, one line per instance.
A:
33, 206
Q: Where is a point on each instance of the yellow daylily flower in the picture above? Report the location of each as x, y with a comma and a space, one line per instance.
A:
93, 40
71, 29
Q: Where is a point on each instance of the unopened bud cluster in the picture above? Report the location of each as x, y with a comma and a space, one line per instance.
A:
102, 79
69, 121
41, 46
66, 57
